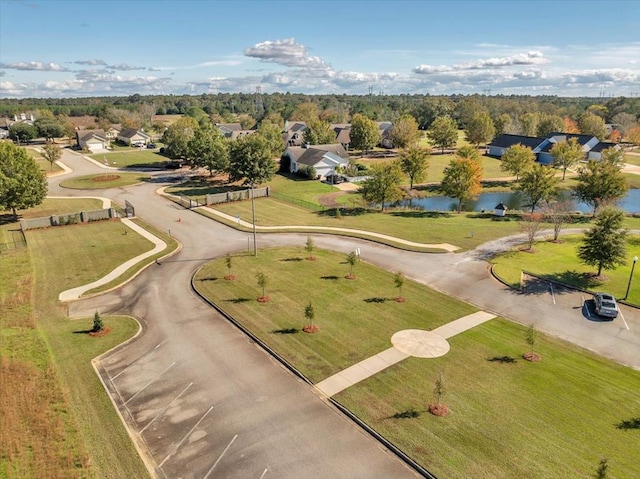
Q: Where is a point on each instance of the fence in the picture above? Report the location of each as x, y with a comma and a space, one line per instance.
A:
18, 241
217, 198
68, 219
295, 201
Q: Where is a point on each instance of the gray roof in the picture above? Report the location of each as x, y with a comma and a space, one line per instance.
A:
297, 152
506, 141
131, 132
84, 135
603, 145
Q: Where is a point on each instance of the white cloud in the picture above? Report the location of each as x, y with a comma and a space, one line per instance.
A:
34, 66
528, 58
285, 52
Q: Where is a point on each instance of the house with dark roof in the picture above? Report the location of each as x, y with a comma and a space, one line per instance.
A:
591, 146
131, 136
324, 158
385, 127
294, 133
227, 129
92, 140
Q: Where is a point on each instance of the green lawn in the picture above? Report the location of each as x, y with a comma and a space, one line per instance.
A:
559, 261
632, 159
131, 157
555, 418
104, 181
59, 422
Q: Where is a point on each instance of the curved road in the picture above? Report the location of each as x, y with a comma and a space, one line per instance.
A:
205, 402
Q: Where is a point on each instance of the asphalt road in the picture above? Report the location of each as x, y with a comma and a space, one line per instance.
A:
207, 403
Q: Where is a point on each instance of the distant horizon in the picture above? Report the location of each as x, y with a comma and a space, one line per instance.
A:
562, 48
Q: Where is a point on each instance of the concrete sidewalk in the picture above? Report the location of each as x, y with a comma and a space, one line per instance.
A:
407, 343
75, 293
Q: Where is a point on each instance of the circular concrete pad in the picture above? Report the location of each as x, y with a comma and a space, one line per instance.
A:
419, 343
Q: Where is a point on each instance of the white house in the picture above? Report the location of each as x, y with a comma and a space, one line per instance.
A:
324, 158
93, 140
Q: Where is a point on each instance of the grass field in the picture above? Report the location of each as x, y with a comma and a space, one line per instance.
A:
131, 157
104, 181
59, 421
559, 261
555, 418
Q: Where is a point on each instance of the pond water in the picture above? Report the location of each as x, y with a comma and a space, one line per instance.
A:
513, 201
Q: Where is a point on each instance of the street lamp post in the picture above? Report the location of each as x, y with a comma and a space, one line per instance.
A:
635, 260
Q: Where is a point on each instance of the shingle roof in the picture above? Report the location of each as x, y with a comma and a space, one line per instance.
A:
131, 132
297, 152
84, 135
582, 139
603, 145
506, 141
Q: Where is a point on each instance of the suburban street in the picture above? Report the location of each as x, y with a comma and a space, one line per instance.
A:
203, 401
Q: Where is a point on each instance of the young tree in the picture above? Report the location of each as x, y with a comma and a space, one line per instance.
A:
591, 124
600, 183
530, 224
480, 128
517, 160
613, 156
462, 180
310, 314
97, 323
309, 247
22, 184
604, 244
22, 132
438, 390
529, 123
538, 184
414, 162
531, 336
208, 149
566, 154
51, 153
364, 133
557, 213
250, 161
352, 259
261, 279
602, 473
398, 281
404, 132
319, 133
383, 185
443, 133
470, 153
228, 261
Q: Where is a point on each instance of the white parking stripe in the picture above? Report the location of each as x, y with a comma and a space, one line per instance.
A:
166, 407
150, 382
264, 473
175, 449
223, 453
134, 362
623, 320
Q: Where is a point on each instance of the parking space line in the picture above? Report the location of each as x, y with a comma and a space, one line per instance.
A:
623, 320
175, 449
142, 356
165, 408
552, 293
220, 457
264, 473
150, 382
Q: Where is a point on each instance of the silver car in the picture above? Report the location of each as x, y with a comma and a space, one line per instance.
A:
605, 305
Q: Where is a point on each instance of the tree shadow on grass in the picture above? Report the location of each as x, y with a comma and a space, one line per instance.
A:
420, 214
295, 260
406, 414
83, 331
329, 277
208, 278
633, 423
503, 359
286, 331
345, 211
376, 300
238, 300
577, 279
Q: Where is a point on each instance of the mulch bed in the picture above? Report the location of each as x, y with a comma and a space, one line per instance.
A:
533, 357
105, 178
102, 332
438, 409
264, 299
311, 328
230, 277
400, 299
310, 258
351, 276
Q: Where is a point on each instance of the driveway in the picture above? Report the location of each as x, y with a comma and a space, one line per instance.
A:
205, 402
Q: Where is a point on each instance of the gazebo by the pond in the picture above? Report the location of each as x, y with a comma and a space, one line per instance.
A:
500, 209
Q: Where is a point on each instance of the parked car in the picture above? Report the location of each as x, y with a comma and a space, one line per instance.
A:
138, 144
151, 146
335, 179
605, 305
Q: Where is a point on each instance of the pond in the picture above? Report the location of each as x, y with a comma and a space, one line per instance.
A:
514, 201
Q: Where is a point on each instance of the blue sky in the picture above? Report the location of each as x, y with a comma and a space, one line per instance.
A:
54, 48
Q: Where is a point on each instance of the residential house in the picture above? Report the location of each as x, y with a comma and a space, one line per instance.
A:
294, 133
343, 134
113, 131
228, 129
385, 134
92, 140
131, 136
591, 146
324, 158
